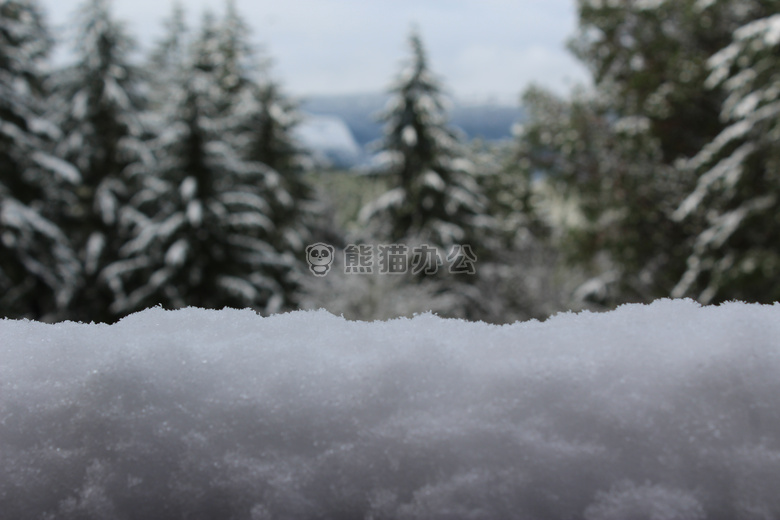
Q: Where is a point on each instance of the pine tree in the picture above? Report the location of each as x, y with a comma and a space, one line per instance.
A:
617, 151
435, 197
265, 135
167, 60
266, 120
650, 63
238, 64
649, 59
205, 238
37, 267
617, 194
738, 189
100, 101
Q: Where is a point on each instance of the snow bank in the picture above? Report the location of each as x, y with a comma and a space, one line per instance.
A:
667, 411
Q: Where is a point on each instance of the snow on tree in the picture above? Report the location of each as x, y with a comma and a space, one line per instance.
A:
435, 197
266, 119
37, 267
265, 135
203, 235
99, 100
649, 59
617, 195
617, 155
738, 188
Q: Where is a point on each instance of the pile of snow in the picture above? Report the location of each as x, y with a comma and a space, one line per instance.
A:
667, 411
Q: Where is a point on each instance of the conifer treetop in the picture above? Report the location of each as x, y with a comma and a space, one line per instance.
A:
435, 196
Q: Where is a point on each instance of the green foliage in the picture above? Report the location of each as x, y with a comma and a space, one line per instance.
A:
649, 59
620, 152
738, 189
613, 171
347, 192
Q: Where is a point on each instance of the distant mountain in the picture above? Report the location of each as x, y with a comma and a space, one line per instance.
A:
357, 111
489, 121
330, 139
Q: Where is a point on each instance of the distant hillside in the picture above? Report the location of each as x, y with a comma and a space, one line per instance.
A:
359, 112
330, 139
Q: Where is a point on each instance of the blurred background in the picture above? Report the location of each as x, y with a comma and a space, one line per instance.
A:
590, 153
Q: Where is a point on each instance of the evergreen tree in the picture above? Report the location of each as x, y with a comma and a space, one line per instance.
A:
168, 59
649, 59
650, 63
617, 194
617, 151
100, 100
739, 188
37, 267
267, 120
238, 64
205, 240
435, 197
264, 133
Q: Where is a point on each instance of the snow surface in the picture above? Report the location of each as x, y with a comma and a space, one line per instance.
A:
665, 411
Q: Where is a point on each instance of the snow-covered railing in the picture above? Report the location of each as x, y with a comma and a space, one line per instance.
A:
667, 411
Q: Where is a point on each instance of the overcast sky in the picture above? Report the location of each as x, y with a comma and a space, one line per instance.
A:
482, 49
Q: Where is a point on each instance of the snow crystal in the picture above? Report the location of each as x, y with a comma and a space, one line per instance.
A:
627, 500
668, 410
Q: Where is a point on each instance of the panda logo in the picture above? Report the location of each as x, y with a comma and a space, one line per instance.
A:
320, 258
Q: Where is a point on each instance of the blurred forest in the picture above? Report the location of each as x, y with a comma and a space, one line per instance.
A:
130, 180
